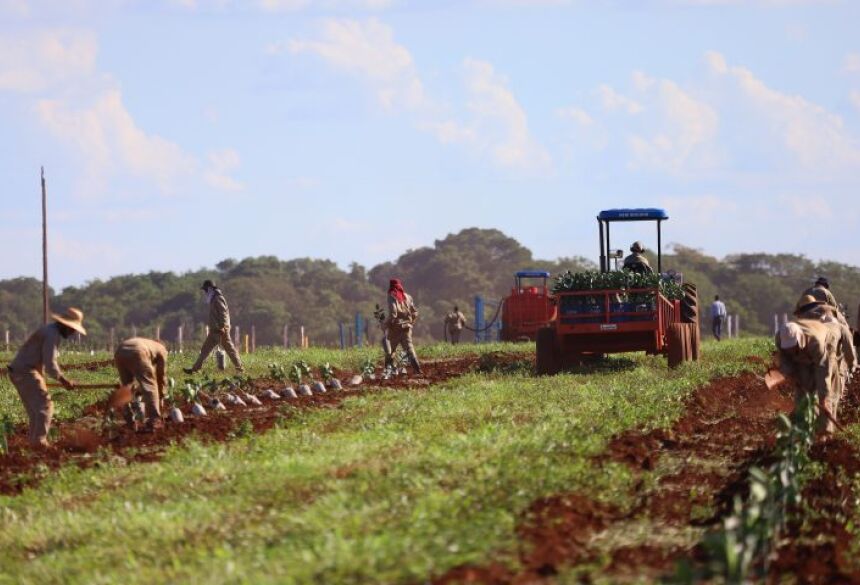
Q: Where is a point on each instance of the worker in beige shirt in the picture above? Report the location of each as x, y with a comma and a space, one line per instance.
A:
454, 323
144, 361
37, 357
219, 329
402, 315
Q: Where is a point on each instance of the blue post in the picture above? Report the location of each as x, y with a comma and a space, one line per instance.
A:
479, 319
358, 329
342, 336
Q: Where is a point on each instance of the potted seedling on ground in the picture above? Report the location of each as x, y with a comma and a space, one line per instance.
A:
243, 382
191, 393
327, 374
297, 373
170, 397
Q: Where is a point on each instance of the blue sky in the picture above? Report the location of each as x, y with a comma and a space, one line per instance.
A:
176, 133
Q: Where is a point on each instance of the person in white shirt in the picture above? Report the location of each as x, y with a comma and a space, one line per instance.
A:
718, 316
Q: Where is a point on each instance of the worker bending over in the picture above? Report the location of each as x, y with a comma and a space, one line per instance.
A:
219, 329
397, 327
37, 357
144, 361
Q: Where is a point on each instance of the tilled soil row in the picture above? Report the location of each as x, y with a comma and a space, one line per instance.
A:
85, 443
727, 426
819, 547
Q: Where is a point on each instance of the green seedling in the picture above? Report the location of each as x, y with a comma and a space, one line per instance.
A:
326, 372
6, 429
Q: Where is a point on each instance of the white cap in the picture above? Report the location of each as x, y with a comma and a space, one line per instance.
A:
790, 335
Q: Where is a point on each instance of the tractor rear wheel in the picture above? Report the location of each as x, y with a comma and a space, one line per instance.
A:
679, 338
547, 360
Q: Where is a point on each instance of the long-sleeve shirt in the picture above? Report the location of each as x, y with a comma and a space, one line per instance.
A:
718, 309
401, 313
146, 352
39, 352
219, 314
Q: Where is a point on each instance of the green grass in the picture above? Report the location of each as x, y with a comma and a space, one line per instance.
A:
393, 487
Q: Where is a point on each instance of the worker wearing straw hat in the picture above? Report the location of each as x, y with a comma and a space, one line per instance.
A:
144, 361
219, 329
37, 357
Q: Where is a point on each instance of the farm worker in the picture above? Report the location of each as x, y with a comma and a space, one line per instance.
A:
454, 323
397, 326
718, 315
816, 307
37, 357
637, 262
219, 329
821, 291
144, 361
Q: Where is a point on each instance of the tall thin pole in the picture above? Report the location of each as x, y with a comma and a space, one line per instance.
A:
45, 307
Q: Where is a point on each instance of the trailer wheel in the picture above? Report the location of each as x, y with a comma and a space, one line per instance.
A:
679, 340
690, 314
547, 360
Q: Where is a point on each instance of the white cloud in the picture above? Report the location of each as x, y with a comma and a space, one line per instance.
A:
613, 101
15, 7
502, 119
698, 210
368, 50
816, 137
854, 97
31, 63
851, 63
221, 164
686, 127
575, 114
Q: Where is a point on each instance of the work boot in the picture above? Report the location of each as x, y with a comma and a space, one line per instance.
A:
416, 367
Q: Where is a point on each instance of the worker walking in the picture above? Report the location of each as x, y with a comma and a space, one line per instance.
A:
144, 361
219, 329
718, 317
636, 261
397, 326
37, 357
454, 323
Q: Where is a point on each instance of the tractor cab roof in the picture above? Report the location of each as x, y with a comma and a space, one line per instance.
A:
532, 274
643, 214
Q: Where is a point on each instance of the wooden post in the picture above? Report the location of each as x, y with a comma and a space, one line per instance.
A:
729, 323
205, 331
286, 336
737, 326
302, 336
179, 339
7, 340
158, 332
45, 304
775, 323
237, 338
253, 338
247, 340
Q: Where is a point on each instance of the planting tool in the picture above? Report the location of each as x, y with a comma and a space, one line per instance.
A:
773, 378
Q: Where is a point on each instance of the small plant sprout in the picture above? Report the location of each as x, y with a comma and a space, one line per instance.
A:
296, 374
277, 372
368, 368
170, 397
327, 374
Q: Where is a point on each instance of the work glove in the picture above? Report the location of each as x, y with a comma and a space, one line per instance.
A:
67, 384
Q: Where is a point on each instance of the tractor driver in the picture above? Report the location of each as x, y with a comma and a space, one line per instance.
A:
637, 262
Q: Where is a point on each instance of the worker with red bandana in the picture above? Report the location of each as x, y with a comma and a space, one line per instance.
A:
402, 315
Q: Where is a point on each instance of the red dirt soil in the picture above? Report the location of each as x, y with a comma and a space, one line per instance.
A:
730, 420
24, 467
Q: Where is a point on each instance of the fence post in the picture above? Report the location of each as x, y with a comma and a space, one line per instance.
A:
158, 333
253, 338
247, 340
479, 318
286, 336
237, 336
342, 335
358, 329
775, 323
302, 336
737, 326
729, 323
7, 340
134, 330
179, 339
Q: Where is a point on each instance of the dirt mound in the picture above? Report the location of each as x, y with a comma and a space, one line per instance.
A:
24, 467
730, 421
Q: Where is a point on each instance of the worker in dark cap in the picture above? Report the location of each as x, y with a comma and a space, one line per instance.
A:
219, 329
820, 290
636, 261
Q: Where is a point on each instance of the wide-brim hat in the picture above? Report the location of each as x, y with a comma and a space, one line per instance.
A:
806, 303
72, 318
637, 247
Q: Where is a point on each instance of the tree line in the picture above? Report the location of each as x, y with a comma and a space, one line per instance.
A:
268, 293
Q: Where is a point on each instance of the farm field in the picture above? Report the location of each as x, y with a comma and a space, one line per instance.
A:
480, 472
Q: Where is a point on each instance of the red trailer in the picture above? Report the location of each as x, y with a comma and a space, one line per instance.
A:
528, 308
596, 322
